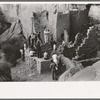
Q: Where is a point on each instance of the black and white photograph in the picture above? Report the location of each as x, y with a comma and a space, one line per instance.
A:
49, 42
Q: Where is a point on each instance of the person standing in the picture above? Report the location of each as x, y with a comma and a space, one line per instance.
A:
33, 40
54, 47
54, 69
46, 35
51, 42
38, 46
38, 35
55, 57
29, 41
63, 43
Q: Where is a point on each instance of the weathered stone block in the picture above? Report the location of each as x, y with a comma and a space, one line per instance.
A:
38, 64
42, 65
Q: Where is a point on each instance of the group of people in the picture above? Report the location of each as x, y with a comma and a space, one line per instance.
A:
55, 61
56, 64
35, 42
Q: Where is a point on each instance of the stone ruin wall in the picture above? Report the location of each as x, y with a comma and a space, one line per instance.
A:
67, 17
59, 17
77, 19
91, 43
63, 23
64, 17
72, 20
24, 13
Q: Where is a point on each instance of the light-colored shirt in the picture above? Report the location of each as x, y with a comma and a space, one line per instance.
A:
55, 58
46, 36
63, 43
54, 47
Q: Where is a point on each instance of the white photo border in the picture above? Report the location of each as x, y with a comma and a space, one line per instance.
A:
41, 90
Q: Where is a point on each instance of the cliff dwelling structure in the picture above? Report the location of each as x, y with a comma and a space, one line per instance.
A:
49, 42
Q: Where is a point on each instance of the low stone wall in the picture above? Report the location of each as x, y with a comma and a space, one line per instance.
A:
40, 65
89, 47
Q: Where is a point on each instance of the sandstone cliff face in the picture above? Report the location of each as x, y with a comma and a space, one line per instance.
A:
75, 17
24, 12
15, 30
94, 13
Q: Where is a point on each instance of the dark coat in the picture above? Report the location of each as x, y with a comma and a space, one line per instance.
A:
38, 45
53, 67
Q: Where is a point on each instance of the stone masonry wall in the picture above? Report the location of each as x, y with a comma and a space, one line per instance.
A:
77, 19
38, 27
63, 23
24, 13
90, 44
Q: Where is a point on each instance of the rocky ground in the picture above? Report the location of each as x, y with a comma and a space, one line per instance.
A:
22, 72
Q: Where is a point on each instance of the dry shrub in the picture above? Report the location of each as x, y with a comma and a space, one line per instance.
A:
5, 72
11, 49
